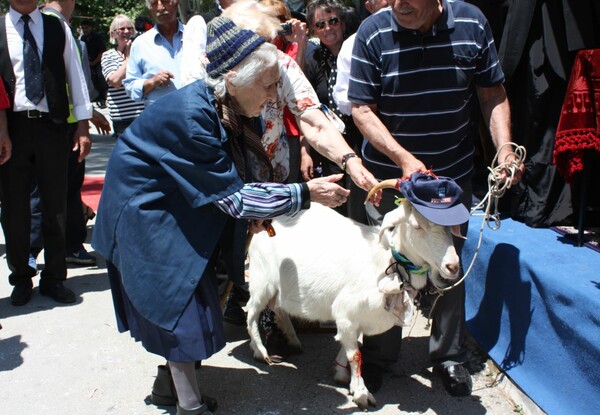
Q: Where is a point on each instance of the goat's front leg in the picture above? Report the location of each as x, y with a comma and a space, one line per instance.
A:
341, 369
347, 335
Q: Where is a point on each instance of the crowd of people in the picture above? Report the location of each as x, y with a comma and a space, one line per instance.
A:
250, 111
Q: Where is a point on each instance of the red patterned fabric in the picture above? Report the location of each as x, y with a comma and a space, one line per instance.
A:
579, 126
4, 101
289, 121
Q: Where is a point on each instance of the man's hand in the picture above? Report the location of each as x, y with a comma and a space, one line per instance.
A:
81, 140
161, 79
100, 122
5, 143
5, 148
508, 160
307, 167
323, 190
362, 178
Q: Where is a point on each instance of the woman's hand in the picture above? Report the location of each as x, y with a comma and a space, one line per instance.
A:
323, 190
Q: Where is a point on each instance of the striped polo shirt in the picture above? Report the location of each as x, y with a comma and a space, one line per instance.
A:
120, 106
424, 85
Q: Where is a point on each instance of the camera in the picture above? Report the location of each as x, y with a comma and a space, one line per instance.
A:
134, 36
286, 29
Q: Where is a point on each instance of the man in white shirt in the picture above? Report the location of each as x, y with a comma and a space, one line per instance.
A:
340, 89
37, 126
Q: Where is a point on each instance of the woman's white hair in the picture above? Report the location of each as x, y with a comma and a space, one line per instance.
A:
247, 71
114, 25
251, 15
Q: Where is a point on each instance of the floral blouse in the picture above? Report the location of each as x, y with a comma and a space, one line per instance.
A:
295, 92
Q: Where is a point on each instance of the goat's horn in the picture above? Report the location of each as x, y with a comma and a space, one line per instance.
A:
385, 184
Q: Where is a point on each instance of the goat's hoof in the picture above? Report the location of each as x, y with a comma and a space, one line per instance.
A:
372, 400
362, 403
274, 359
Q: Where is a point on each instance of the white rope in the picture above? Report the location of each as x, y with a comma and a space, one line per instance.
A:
497, 186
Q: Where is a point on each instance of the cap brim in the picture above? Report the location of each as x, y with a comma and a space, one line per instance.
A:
455, 215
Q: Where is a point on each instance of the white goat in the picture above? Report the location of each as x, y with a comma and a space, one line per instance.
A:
322, 266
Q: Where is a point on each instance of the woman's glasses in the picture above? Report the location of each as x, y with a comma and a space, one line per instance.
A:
122, 29
332, 21
153, 3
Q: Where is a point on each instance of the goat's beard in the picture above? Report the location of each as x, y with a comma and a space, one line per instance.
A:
439, 281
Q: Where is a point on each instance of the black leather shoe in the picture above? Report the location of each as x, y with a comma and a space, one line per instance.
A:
21, 294
58, 292
457, 380
373, 376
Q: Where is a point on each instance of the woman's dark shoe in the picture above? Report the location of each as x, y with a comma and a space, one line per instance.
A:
164, 393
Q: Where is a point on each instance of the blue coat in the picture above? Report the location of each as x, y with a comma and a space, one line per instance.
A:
156, 222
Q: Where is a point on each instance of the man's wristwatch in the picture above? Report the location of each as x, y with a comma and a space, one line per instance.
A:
345, 159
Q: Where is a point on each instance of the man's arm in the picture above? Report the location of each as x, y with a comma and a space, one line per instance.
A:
371, 127
327, 140
136, 86
496, 114
79, 96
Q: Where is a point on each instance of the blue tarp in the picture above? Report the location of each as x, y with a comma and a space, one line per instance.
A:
533, 302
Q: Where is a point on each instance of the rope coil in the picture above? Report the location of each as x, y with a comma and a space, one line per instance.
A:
497, 187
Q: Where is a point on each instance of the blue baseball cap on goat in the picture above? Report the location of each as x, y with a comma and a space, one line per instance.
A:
438, 199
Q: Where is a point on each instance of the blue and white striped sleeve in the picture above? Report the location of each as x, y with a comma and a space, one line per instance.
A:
265, 200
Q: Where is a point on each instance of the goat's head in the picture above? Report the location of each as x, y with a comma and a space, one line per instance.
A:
420, 240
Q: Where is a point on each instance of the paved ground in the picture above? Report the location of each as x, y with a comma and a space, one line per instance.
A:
57, 359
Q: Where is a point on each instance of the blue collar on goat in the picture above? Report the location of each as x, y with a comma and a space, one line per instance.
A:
404, 264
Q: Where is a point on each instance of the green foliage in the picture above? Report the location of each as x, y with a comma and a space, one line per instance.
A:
102, 12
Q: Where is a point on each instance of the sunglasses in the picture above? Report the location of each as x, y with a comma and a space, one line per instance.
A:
332, 21
153, 3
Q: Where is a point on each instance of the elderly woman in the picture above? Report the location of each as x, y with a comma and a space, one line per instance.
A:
296, 95
122, 109
171, 190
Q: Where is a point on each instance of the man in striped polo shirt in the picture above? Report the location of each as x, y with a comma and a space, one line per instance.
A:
417, 69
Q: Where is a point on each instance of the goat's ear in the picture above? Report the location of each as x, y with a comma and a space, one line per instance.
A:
455, 229
390, 221
385, 237
390, 284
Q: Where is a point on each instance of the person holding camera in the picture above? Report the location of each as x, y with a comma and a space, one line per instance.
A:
330, 22
122, 109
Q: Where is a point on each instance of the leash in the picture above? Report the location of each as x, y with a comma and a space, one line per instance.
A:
497, 187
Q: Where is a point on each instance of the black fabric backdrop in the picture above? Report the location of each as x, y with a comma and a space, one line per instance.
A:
537, 42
